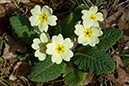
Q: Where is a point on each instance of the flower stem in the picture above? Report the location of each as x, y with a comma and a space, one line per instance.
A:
75, 44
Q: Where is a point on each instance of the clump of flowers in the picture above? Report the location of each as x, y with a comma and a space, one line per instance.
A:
59, 48
89, 31
69, 50
42, 17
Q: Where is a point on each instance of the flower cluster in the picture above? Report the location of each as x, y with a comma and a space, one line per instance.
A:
89, 31
59, 48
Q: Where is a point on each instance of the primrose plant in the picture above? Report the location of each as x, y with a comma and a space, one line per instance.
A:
68, 49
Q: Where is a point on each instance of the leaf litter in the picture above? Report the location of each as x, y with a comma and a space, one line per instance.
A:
16, 71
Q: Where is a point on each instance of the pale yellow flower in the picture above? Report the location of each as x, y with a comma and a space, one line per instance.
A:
92, 14
40, 46
42, 17
60, 49
88, 34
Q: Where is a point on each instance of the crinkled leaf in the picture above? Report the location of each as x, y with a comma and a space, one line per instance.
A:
92, 60
22, 29
109, 38
68, 24
45, 71
73, 76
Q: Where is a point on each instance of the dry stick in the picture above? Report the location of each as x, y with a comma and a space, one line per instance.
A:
3, 83
126, 6
15, 2
89, 3
122, 3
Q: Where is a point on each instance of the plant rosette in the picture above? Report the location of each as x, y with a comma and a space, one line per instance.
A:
60, 49
61, 55
42, 17
88, 34
92, 14
40, 46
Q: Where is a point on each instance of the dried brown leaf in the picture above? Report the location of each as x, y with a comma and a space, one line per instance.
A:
125, 14
12, 46
88, 79
6, 67
121, 73
103, 24
124, 25
5, 1
24, 81
2, 11
7, 54
113, 19
20, 69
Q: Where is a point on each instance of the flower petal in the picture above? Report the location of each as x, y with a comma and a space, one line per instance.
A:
79, 29
93, 10
93, 40
99, 16
34, 20
96, 31
36, 10
50, 48
56, 58
88, 23
96, 24
47, 10
43, 27
44, 38
85, 42
67, 55
81, 39
67, 43
36, 43
41, 56
57, 39
85, 15
52, 20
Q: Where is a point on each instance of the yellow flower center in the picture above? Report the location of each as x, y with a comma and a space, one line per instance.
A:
44, 46
59, 48
42, 17
87, 32
92, 17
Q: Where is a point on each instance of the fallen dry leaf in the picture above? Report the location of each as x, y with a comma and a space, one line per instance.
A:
9, 1
5, 1
20, 69
121, 78
124, 25
125, 14
103, 24
113, 19
6, 67
12, 46
24, 81
2, 11
88, 79
7, 54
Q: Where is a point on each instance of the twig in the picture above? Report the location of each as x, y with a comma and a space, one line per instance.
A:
15, 2
89, 3
122, 3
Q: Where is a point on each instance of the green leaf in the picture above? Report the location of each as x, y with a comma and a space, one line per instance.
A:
68, 24
22, 29
125, 57
45, 71
73, 76
109, 38
92, 60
